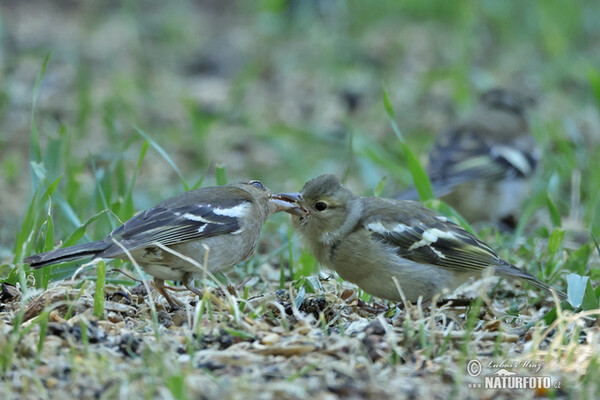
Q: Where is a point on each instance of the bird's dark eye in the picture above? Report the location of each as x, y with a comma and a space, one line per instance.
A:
320, 206
257, 184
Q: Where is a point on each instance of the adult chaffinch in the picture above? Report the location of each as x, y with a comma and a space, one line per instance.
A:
370, 240
482, 165
226, 221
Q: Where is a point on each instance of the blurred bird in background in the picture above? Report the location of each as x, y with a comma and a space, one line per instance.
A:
482, 165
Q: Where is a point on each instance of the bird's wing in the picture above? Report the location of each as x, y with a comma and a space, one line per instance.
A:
462, 156
179, 220
429, 239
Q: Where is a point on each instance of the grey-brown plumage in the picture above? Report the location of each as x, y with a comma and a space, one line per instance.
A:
483, 164
225, 219
370, 241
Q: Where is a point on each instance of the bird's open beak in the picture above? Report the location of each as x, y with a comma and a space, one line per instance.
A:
290, 203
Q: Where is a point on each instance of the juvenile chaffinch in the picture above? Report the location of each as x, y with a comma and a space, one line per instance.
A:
225, 219
482, 165
370, 240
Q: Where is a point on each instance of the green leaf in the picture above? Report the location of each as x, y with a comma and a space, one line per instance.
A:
590, 299
554, 214
578, 259
556, 238
307, 265
176, 385
387, 104
80, 231
380, 186
51, 188
240, 334
548, 318
63, 271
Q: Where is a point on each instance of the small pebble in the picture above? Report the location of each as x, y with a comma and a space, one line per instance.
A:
346, 294
270, 338
178, 317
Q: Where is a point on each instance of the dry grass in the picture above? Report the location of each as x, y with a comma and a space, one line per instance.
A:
285, 344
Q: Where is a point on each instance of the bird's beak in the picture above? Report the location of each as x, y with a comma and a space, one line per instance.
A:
290, 203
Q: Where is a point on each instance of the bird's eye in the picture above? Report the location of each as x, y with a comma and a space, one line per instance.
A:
320, 206
257, 184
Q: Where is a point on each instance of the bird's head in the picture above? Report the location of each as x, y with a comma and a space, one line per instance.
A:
324, 205
508, 99
269, 202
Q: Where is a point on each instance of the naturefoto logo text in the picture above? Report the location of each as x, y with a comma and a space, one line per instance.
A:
503, 378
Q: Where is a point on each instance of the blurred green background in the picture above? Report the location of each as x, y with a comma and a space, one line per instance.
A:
278, 90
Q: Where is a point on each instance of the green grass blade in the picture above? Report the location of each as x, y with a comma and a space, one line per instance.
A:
51, 188
555, 241
596, 243
49, 239
80, 231
31, 222
554, 214
594, 78
98, 180
379, 187
221, 174
43, 319
99, 295
391, 115
35, 152
164, 155
281, 272
420, 178
128, 208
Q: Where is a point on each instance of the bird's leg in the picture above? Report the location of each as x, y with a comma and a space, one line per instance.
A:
187, 282
159, 284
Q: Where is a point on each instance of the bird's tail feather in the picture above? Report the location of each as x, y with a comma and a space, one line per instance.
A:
512, 271
66, 254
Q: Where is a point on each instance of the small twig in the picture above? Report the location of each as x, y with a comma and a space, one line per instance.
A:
127, 275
